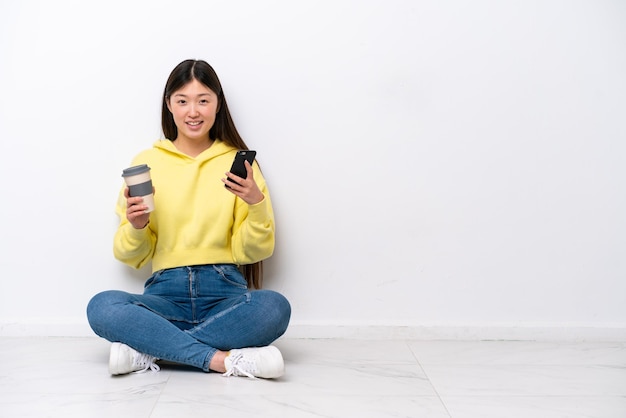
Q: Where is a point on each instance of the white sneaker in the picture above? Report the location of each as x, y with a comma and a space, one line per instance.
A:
265, 362
124, 359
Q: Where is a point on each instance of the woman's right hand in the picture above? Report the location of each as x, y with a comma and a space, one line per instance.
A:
135, 211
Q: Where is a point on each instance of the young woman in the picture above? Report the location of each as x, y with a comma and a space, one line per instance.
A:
206, 240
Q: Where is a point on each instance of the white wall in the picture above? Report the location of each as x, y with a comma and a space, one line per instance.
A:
432, 164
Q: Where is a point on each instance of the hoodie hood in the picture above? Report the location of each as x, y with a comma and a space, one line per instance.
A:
218, 148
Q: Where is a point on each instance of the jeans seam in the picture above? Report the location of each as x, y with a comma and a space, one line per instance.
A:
210, 320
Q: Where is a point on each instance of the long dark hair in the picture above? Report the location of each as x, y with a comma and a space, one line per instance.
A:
223, 128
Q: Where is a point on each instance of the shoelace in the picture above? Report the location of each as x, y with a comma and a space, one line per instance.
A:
239, 370
145, 361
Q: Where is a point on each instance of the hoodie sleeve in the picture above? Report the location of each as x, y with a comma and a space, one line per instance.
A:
131, 246
253, 228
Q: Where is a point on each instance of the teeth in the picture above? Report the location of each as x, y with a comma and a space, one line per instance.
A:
193, 123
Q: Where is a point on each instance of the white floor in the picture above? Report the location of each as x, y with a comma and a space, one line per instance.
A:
67, 377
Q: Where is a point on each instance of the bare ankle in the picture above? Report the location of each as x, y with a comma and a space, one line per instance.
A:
217, 362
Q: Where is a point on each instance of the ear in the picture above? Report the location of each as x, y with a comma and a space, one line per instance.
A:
167, 102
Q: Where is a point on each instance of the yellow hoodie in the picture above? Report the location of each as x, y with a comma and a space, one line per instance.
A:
195, 220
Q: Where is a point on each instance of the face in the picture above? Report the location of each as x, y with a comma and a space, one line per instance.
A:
194, 107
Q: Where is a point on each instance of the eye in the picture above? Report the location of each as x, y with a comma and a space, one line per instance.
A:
181, 101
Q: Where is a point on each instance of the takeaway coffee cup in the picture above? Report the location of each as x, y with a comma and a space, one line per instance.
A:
139, 183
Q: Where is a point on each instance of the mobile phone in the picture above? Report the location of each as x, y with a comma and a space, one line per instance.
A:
238, 168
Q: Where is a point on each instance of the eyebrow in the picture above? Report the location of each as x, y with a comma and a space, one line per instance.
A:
198, 95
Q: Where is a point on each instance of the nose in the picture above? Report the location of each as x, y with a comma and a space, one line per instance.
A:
193, 110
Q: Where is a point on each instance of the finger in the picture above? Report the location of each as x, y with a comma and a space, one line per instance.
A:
232, 187
134, 201
135, 211
235, 178
137, 215
248, 170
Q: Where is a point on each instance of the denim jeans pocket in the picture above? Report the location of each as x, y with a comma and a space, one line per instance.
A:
152, 279
230, 274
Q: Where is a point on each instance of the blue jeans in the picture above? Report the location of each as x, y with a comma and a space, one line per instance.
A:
186, 314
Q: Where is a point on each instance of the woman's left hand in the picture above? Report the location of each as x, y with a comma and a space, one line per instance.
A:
247, 188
